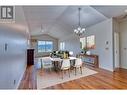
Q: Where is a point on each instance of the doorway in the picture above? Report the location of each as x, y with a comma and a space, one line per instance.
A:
116, 50
123, 44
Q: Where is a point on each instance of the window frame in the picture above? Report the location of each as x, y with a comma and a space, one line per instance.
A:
87, 42
84, 39
45, 49
90, 39
62, 45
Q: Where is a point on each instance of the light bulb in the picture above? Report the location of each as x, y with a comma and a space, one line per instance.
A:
79, 28
75, 30
83, 29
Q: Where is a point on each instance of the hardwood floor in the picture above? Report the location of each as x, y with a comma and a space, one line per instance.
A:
102, 80
29, 79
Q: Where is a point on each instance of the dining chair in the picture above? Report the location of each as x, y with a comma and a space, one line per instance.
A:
46, 63
65, 66
78, 65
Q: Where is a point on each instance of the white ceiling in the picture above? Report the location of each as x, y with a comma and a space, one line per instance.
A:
59, 21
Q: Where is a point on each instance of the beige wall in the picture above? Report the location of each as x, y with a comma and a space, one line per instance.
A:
43, 37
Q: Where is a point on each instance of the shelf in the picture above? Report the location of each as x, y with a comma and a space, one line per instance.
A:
91, 60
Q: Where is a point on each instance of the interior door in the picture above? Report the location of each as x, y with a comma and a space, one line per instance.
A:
123, 48
116, 50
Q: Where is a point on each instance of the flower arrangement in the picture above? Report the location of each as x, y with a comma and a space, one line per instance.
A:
85, 49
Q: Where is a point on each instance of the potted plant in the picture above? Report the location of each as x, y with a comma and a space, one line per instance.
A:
85, 49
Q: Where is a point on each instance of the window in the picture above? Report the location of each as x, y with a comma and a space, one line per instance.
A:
45, 46
62, 45
87, 42
91, 42
83, 42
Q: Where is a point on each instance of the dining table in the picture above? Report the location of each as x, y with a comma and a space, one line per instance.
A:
57, 62
60, 59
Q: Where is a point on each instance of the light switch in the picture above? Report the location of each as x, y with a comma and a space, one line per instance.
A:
106, 42
125, 48
6, 46
106, 48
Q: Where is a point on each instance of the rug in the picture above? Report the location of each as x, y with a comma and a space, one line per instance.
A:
49, 78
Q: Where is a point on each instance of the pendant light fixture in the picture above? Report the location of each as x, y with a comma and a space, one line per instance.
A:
79, 30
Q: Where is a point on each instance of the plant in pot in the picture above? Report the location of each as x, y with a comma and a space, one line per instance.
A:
85, 49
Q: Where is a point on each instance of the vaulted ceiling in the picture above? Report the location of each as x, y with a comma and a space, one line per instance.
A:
59, 21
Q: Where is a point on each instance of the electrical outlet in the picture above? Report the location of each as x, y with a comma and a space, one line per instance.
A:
14, 82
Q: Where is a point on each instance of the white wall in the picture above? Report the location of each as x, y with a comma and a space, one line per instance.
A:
103, 34
123, 44
13, 61
72, 43
41, 38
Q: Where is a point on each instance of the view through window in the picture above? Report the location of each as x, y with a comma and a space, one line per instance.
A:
87, 42
91, 42
62, 45
45, 46
83, 42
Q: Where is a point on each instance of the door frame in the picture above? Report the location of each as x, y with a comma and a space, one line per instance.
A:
116, 52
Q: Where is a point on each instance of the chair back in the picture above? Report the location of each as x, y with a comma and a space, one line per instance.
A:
65, 64
78, 62
46, 62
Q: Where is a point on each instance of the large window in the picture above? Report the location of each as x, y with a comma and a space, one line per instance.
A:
62, 45
87, 42
45, 46
91, 42
83, 42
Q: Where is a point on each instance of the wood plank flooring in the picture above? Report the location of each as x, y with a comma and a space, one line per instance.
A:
102, 80
29, 79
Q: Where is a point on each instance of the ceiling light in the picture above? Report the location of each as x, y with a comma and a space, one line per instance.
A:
79, 30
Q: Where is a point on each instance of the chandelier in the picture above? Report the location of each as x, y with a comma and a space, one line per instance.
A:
79, 30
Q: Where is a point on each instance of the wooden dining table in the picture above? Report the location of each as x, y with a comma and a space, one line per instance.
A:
60, 59
57, 62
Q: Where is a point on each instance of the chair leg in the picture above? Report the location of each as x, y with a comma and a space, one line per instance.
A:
75, 71
81, 69
62, 73
69, 72
41, 66
50, 69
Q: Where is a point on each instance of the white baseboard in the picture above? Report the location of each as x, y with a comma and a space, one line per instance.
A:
123, 67
109, 69
20, 79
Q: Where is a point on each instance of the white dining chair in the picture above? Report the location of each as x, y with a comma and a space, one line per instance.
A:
46, 63
78, 65
65, 66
